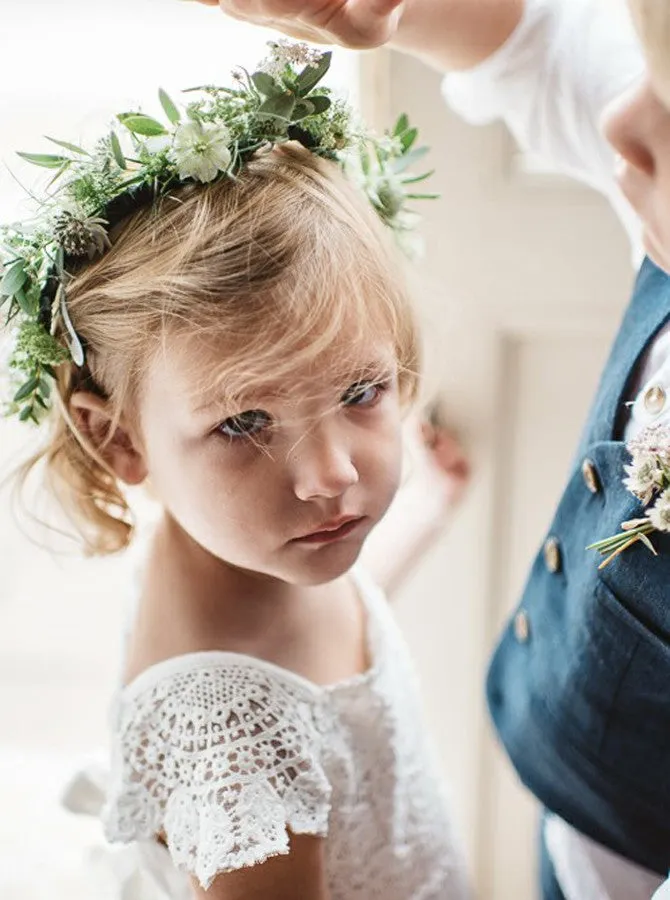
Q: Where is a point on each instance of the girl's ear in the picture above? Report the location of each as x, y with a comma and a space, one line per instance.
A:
93, 418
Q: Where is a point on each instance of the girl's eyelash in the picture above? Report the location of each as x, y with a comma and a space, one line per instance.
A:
359, 388
241, 426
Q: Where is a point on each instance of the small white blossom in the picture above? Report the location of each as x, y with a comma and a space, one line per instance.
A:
654, 440
201, 150
391, 145
289, 53
644, 476
659, 514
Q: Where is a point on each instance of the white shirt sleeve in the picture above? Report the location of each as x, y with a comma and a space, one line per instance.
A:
663, 893
551, 81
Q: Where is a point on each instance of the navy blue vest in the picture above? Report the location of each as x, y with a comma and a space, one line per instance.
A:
579, 685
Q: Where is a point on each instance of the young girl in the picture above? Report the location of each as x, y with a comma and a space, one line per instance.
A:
242, 343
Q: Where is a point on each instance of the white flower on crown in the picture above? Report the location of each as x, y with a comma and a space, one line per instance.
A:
659, 514
200, 150
287, 53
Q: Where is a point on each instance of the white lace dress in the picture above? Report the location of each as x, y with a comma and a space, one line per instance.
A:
221, 753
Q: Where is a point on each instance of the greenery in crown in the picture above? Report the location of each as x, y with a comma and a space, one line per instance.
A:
141, 159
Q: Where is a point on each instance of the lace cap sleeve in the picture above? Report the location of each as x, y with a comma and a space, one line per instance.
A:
220, 759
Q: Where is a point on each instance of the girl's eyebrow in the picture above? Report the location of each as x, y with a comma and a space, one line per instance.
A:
378, 369
217, 401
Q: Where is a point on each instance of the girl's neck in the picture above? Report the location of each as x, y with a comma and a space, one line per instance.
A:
192, 601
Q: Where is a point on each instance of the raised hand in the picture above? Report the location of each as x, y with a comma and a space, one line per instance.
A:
446, 453
360, 24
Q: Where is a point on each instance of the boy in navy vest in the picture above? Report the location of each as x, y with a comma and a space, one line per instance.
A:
578, 686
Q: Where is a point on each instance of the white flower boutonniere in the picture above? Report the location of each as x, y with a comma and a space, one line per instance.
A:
648, 479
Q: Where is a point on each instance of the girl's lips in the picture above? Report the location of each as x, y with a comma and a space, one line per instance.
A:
331, 534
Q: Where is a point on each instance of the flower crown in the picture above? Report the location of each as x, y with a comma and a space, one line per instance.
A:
142, 160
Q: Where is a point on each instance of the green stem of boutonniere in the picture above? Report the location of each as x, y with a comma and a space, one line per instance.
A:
632, 532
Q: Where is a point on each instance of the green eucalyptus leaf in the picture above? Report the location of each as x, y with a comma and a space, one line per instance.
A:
171, 110
25, 390
41, 401
45, 387
401, 125
422, 196
407, 159
320, 103
13, 279
310, 76
60, 172
31, 302
27, 413
302, 109
141, 124
408, 137
67, 146
266, 85
24, 302
115, 144
279, 107
417, 178
46, 161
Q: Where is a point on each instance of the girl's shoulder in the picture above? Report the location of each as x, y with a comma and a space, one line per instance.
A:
179, 661
212, 744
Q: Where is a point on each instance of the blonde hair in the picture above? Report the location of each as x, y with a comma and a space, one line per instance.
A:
274, 262
652, 20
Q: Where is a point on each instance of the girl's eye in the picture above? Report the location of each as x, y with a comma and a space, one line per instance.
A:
362, 393
245, 424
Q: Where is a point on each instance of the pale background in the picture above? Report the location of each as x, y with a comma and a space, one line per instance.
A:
522, 284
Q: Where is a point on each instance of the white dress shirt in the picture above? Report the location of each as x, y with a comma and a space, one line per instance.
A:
550, 83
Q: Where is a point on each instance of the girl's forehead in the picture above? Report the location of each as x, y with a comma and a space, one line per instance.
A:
209, 372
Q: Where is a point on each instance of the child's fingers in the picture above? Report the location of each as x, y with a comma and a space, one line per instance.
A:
378, 8
353, 23
446, 453
373, 21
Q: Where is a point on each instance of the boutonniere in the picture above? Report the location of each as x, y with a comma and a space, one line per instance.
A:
647, 478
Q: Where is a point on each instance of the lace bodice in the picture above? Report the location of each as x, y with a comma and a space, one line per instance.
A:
222, 753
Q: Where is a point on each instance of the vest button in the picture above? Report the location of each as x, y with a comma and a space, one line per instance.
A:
590, 476
654, 399
552, 555
521, 627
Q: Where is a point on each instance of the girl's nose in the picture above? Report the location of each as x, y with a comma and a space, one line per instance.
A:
322, 466
630, 123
